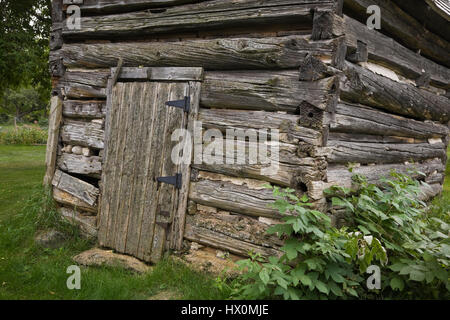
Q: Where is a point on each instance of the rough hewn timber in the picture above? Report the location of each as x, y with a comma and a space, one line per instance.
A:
350, 152
224, 242
82, 84
286, 124
403, 28
159, 74
253, 201
270, 91
364, 86
76, 187
213, 54
87, 134
54, 124
360, 119
205, 15
388, 52
79, 164
115, 6
92, 109
68, 199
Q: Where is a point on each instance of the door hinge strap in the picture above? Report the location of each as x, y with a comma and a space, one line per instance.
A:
183, 104
173, 180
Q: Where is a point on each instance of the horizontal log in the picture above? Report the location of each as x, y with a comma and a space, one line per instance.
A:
159, 74
221, 241
350, 152
253, 201
387, 52
287, 169
286, 124
213, 54
358, 137
87, 224
204, 15
253, 90
340, 175
114, 6
365, 120
399, 25
92, 109
430, 191
67, 199
79, 164
270, 91
86, 134
236, 226
363, 86
76, 187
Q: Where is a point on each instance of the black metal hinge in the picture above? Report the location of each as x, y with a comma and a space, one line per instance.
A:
173, 180
184, 104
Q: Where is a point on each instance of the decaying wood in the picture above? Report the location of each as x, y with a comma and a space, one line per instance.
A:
360, 54
87, 134
233, 197
114, 6
82, 85
87, 224
159, 74
76, 187
68, 199
57, 11
54, 123
345, 152
388, 52
358, 137
363, 86
223, 242
92, 109
212, 54
286, 124
204, 15
360, 119
270, 91
79, 164
326, 25
404, 29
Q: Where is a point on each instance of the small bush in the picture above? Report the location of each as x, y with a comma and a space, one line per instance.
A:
24, 136
387, 228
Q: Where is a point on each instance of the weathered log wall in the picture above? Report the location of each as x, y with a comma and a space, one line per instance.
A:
336, 91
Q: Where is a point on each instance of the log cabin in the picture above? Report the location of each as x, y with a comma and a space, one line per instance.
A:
309, 77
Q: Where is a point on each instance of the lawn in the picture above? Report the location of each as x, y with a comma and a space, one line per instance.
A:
31, 272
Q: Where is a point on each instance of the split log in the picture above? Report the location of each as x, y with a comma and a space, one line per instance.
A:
213, 54
114, 6
365, 120
357, 137
216, 14
327, 24
86, 134
54, 124
92, 109
79, 164
76, 187
69, 200
403, 28
87, 224
363, 86
236, 226
430, 191
387, 52
271, 91
81, 85
245, 199
286, 124
223, 242
345, 152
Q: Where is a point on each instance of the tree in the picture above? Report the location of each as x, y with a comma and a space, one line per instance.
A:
24, 41
20, 103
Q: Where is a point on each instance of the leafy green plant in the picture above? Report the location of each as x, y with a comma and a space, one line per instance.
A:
388, 227
26, 135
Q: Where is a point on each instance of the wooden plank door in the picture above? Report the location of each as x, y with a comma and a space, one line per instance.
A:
142, 212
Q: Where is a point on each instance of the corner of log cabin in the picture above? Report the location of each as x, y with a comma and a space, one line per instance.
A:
336, 91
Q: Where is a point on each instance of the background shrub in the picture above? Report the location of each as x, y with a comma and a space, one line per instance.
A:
26, 135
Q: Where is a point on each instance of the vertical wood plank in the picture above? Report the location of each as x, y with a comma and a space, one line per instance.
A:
52, 140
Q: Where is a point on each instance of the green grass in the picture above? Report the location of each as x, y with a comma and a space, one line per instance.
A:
30, 272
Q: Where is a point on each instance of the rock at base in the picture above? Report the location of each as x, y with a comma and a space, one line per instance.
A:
99, 257
51, 239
